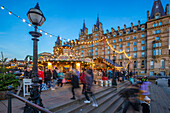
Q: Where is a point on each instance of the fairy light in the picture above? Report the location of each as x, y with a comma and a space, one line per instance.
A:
45, 33
10, 13
50, 35
23, 20
40, 30
2, 7
29, 24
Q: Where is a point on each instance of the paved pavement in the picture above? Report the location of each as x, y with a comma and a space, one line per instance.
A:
160, 97
50, 98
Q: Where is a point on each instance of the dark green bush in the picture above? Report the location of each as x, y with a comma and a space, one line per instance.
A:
6, 80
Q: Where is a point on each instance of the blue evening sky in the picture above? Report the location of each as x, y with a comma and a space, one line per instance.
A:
65, 18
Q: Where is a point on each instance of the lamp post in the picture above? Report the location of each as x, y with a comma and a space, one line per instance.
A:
37, 18
114, 76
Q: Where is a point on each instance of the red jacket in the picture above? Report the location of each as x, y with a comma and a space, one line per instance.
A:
83, 78
41, 75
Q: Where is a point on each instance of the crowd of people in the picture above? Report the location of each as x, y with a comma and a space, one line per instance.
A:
137, 96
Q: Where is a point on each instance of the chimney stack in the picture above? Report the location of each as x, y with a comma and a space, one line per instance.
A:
112, 29
131, 25
147, 15
167, 9
138, 23
107, 31
124, 26
118, 28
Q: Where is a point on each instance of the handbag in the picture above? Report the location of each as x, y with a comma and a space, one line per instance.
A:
64, 80
43, 87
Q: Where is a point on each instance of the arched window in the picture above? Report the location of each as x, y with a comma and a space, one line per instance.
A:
162, 63
152, 64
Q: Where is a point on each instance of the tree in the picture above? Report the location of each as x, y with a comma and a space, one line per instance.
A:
3, 60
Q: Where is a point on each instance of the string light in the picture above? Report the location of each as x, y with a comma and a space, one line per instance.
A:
40, 30
50, 35
23, 20
10, 13
29, 24
45, 33
2, 7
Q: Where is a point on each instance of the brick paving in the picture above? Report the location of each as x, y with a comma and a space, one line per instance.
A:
50, 98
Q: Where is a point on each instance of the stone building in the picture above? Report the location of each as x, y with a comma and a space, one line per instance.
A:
146, 43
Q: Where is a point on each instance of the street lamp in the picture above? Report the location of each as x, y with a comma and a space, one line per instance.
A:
114, 76
37, 18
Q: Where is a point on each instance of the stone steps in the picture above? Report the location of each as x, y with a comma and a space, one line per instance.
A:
109, 95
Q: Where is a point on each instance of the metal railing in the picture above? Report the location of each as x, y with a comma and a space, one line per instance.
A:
35, 106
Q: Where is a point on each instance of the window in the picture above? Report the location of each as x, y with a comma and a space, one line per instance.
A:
96, 44
127, 44
120, 34
82, 51
153, 25
127, 32
157, 38
135, 55
120, 50
82, 55
154, 52
96, 38
96, 49
87, 51
157, 51
160, 23
103, 53
108, 36
135, 43
154, 45
143, 47
128, 55
143, 54
114, 46
103, 48
163, 64
79, 47
157, 24
82, 47
108, 47
135, 49
103, 43
142, 64
135, 64
134, 37
127, 38
121, 57
90, 50
96, 34
109, 42
75, 48
143, 35
87, 46
160, 52
143, 28
96, 53
152, 64
114, 41
135, 31
121, 63
127, 50
143, 41
159, 31
157, 16
120, 40
121, 45
114, 35
108, 52
157, 44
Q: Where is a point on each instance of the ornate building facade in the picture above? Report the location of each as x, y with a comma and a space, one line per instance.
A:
147, 43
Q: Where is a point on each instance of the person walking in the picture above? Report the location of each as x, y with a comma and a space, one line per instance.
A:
60, 78
28, 73
55, 77
41, 77
89, 82
83, 81
74, 82
49, 75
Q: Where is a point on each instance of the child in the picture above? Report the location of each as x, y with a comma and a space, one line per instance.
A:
146, 105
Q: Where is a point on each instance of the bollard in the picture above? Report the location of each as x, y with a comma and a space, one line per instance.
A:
106, 83
110, 83
101, 82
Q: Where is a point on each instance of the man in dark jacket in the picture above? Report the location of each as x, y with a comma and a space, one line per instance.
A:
48, 75
28, 73
55, 77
